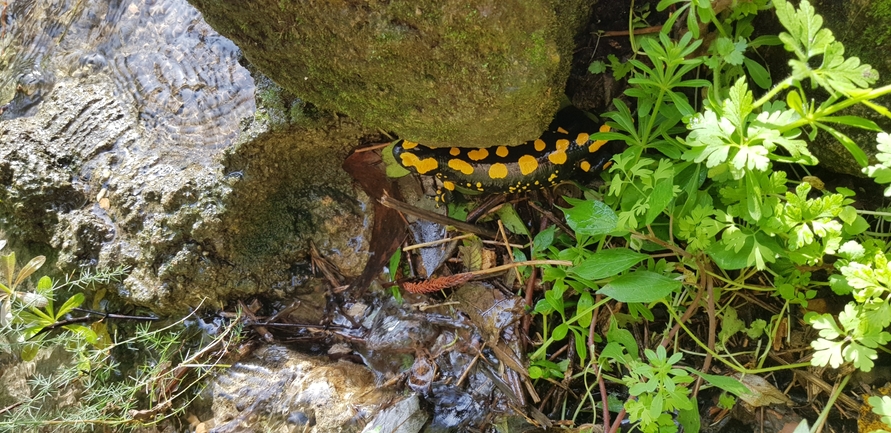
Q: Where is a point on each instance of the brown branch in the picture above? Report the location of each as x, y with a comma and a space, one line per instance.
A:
403, 207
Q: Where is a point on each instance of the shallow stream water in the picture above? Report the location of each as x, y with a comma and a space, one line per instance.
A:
183, 78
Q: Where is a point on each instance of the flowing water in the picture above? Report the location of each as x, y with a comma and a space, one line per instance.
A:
183, 78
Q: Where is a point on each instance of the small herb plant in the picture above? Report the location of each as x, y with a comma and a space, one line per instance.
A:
85, 360
706, 181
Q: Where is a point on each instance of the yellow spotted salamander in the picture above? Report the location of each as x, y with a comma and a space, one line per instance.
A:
564, 151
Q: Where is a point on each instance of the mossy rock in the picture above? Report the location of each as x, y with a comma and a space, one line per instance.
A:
458, 72
862, 26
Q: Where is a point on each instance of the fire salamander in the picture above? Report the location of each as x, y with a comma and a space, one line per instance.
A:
563, 151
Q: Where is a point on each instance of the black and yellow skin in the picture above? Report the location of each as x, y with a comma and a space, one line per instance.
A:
564, 151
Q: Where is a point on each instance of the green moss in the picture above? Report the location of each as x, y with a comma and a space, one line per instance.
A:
444, 73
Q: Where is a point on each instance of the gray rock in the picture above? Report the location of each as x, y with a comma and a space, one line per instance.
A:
149, 145
446, 73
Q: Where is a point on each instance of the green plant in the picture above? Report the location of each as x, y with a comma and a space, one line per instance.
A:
71, 358
707, 182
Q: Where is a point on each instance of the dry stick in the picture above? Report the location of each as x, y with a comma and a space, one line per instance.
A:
470, 366
600, 381
497, 269
373, 147
456, 238
392, 203
530, 285
644, 31
552, 219
507, 246
11, 407
435, 243
712, 327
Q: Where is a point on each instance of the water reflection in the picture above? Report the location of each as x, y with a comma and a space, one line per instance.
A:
180, 75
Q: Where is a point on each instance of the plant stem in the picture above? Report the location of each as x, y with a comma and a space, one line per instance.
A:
818, 424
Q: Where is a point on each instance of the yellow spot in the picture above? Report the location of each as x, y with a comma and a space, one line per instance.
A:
558, 157
409, 144
454, 151
561, 130
562, 145
469, 184
421, 165
479, 184
595, 146
582, 139
498, 171
427, 164
536, 182
527, 164
606, 166
540, 145
478, 154
448, 185
408, 159
604, 128
552, 177
585, 166
501, 151
460, 165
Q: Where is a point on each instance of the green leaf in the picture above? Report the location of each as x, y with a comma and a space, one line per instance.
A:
882, 407
640, 286
855, 150
794, 101
393, 265
394, 169
83, 332
855, 121
597, 67
560, 332
555, 299
585, 302
753, 197
73, 302
32, 266
729, 258
738, 107
760, 75
29, 351
590, 217
732, 52
689, 419
659, 197
543, 306
543, 240
727, 383
607, 263
622, 337
512, 220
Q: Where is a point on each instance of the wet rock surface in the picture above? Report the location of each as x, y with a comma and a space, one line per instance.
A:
147, 149
454, 73
278, 389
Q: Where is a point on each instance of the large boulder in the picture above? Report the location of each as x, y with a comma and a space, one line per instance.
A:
145, 143
458, 72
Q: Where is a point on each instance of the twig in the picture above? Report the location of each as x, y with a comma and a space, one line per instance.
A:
435, 243
510, 256
373, 147
403, 207
15, 405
